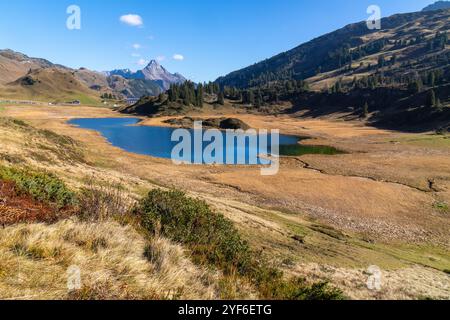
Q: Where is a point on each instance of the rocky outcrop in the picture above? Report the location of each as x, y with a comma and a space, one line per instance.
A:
214, 123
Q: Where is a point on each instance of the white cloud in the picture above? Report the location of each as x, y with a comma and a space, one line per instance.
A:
133, 20
151, 37
136, 55
137, 46
178, 57
142, 62
160, 58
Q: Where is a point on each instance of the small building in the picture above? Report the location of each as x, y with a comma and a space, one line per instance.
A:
74, 103
131, 101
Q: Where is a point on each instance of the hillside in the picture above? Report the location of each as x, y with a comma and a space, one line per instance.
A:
355, 45
400, 72
158, 106
49, 84
92, 79
133, 87
14, 66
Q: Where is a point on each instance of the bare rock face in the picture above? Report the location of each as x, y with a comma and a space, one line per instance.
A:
152, 72
233, 123
156, 72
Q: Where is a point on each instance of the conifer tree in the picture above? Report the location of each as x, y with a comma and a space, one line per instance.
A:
220, 98
431, 79
259, 99
431, 100
416, 86
365, 110
199, 95
251, 97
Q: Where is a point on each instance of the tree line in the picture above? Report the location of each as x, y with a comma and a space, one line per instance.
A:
191, 94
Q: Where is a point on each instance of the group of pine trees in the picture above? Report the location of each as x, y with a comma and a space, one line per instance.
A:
433, 101
272, 93
439, 41
431, 79
211, 88
108, 96
414, 82
345, 55
187, 93
272, 85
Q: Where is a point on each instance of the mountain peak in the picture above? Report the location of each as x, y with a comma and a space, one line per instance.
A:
153, 63
154, 71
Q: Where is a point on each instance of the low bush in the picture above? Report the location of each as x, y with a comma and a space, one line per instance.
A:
213, 240
299, 289
99, 202
441, 206
41, 186
11, 122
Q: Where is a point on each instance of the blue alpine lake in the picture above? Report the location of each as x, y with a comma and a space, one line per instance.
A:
157, 141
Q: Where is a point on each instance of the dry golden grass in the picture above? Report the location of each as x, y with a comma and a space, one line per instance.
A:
342, 186
51, 84
289, 125
24, 143
113, 260
395, 285
370, 196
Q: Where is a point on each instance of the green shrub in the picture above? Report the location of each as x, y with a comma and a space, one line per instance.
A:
41, 186
299, 289
11, 122
300, 150
213, 240
441, 206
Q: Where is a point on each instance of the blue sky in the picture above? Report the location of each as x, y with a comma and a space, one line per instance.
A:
213, 37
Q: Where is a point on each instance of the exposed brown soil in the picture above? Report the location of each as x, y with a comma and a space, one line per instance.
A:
20, 208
